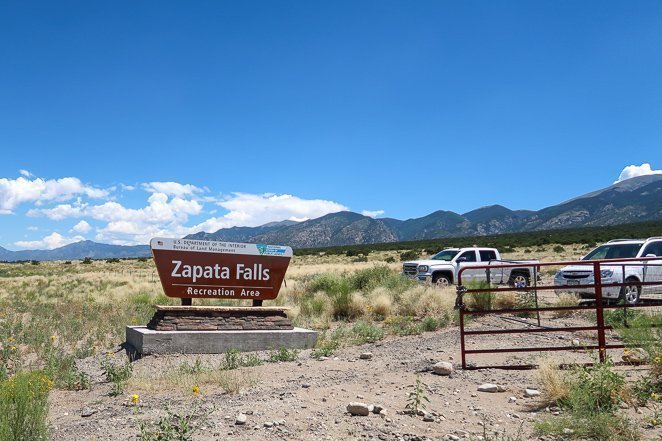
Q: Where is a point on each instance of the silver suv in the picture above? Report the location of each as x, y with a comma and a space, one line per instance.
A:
569, 277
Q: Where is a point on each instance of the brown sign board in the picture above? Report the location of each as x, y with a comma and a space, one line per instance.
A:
191, 268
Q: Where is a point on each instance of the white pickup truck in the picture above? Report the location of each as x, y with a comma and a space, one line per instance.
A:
442, 268
569, 277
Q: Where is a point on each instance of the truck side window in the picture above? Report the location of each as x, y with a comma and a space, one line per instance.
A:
469, 255
487, 255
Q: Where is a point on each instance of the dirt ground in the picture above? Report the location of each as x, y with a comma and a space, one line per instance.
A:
307, 399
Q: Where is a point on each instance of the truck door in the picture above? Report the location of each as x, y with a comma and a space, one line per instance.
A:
495, 274
468, 259
653, 268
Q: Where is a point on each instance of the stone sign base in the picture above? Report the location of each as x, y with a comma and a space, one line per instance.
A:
148, 341
219, 318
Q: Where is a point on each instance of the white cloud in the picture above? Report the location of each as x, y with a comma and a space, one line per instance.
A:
171, 205
25, 173
14, 192
82, 227
632, 171
53, 240
372, 213
172, 188
125, 187
129, 226
252, 210
33, 228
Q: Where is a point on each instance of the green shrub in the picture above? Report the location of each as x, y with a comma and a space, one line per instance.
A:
594, 389
194, 368
331, 284
390, 259
61, 367
479, 301
345, 306
313, 305
365, 332
410, 255
171, 427
325, 348
234, 360
24, 407
404, 326
359, 333
558, 249
87, 261
117, 373
283, 354
591, 399
370, 278
598, 427
360, 259
430, 324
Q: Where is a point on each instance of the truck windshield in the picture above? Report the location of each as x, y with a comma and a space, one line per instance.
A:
446, 255
614, 251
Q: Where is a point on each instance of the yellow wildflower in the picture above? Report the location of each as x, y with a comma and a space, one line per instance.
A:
10, 339
13, 348
52, 339
654, 396
196, 390
135, 399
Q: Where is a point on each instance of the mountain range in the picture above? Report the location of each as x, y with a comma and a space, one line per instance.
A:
634, 200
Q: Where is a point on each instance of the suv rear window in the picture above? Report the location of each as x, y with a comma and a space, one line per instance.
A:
614, 251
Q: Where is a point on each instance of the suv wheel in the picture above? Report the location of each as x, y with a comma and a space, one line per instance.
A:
630, 294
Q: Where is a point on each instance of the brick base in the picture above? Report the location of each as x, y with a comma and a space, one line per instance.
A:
218, 318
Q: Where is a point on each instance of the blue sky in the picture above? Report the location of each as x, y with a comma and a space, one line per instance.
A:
130, 119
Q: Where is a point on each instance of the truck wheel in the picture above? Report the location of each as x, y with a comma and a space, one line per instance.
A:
519, 280
630, 294
441, 281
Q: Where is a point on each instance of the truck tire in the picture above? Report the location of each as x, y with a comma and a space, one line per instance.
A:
441, 280
630, 294
519, 280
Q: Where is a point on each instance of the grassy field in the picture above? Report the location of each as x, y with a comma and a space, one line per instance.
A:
55, 313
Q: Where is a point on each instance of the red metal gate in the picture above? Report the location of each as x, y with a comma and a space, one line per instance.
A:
598, 306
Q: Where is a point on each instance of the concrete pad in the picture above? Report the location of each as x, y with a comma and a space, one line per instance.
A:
147, 341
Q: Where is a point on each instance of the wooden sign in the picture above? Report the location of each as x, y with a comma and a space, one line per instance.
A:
205, 269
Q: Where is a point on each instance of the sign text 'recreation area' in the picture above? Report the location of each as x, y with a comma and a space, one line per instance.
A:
205, 269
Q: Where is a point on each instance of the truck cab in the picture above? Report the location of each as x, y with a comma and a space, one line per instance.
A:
442, 268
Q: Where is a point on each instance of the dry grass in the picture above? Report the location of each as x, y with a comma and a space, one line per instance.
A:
553, 382
566, 299
178, 376
505, 300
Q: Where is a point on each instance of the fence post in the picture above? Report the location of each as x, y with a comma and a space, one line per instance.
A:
464, 358
599, 311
